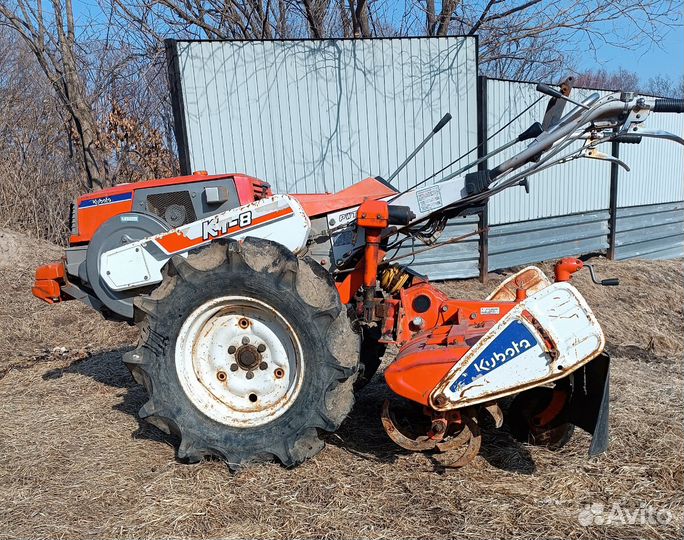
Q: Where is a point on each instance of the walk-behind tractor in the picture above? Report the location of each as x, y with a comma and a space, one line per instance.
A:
261, 315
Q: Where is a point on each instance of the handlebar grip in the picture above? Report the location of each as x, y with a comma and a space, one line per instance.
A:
670, 105
610, 282
628, 138
400, 215
443, 122
546, 89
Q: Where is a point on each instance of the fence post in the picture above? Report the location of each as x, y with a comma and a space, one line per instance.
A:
483, 223
177, 107
612, 209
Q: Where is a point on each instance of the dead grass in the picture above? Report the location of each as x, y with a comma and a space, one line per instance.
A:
77, 463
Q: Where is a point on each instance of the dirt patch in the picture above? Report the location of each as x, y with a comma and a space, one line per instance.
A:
78, 464
32, 331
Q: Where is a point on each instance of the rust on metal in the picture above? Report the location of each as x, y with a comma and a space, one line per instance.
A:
460, 446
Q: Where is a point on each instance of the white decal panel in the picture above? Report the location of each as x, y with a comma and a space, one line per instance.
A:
278, 218
515, 354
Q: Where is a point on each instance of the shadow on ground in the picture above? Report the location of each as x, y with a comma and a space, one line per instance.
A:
361, 433
108, 368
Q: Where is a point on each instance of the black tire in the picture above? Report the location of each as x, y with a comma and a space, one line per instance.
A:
304, 294
370, 357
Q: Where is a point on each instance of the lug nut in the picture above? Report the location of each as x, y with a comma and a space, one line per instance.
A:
233, 367
231, 349
250, 375
245, 340
261, 347
263, 366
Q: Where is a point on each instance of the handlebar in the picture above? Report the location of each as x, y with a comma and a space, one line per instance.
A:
628, 138
668, 105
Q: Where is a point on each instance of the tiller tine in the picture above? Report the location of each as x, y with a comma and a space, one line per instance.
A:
456, 433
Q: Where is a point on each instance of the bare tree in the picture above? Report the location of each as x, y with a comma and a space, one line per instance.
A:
535, 39
523, 39
438, 25
38, 177
620, 79
52, 39
665, 86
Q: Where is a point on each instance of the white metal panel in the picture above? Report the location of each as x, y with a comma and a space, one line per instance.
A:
657, 166
312, 116
579, 186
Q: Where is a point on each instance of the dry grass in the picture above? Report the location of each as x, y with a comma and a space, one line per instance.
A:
77, 463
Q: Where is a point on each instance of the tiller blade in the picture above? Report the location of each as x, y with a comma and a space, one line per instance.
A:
454, 433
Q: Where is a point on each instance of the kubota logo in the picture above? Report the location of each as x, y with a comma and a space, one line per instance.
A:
103, 200
498, 358
510, 343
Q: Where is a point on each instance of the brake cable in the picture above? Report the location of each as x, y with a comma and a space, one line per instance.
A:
474, 149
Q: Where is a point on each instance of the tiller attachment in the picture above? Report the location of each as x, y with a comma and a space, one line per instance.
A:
455, 432
545, 349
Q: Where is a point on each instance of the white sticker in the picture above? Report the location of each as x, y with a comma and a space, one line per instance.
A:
429, 198
489, 311
129, 218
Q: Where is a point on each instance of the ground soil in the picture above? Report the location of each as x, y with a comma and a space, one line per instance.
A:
77, 463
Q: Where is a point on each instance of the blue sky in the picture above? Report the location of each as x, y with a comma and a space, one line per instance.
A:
648, 61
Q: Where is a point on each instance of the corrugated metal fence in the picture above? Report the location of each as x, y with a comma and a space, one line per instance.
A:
314, 116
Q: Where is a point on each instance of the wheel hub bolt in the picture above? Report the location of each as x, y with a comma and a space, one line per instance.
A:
234, 367
231, 349
261, 347
245, 340
221, 376
279, 373
263, 366
250, 374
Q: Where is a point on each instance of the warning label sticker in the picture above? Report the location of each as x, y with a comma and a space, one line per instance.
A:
489, 311
429, 198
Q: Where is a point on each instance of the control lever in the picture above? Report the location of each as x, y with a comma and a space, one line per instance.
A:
549, 91
668, 105
443, 122
609, 282
627, 138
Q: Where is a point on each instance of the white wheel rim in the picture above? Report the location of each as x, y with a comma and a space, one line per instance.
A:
239, 361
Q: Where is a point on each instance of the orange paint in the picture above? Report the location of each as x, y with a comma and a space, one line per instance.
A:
316, 204
46, 286
566, 267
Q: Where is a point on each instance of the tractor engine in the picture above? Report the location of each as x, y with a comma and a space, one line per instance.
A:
125, 213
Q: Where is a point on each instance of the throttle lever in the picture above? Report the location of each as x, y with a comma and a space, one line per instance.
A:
608, 282
549, 91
